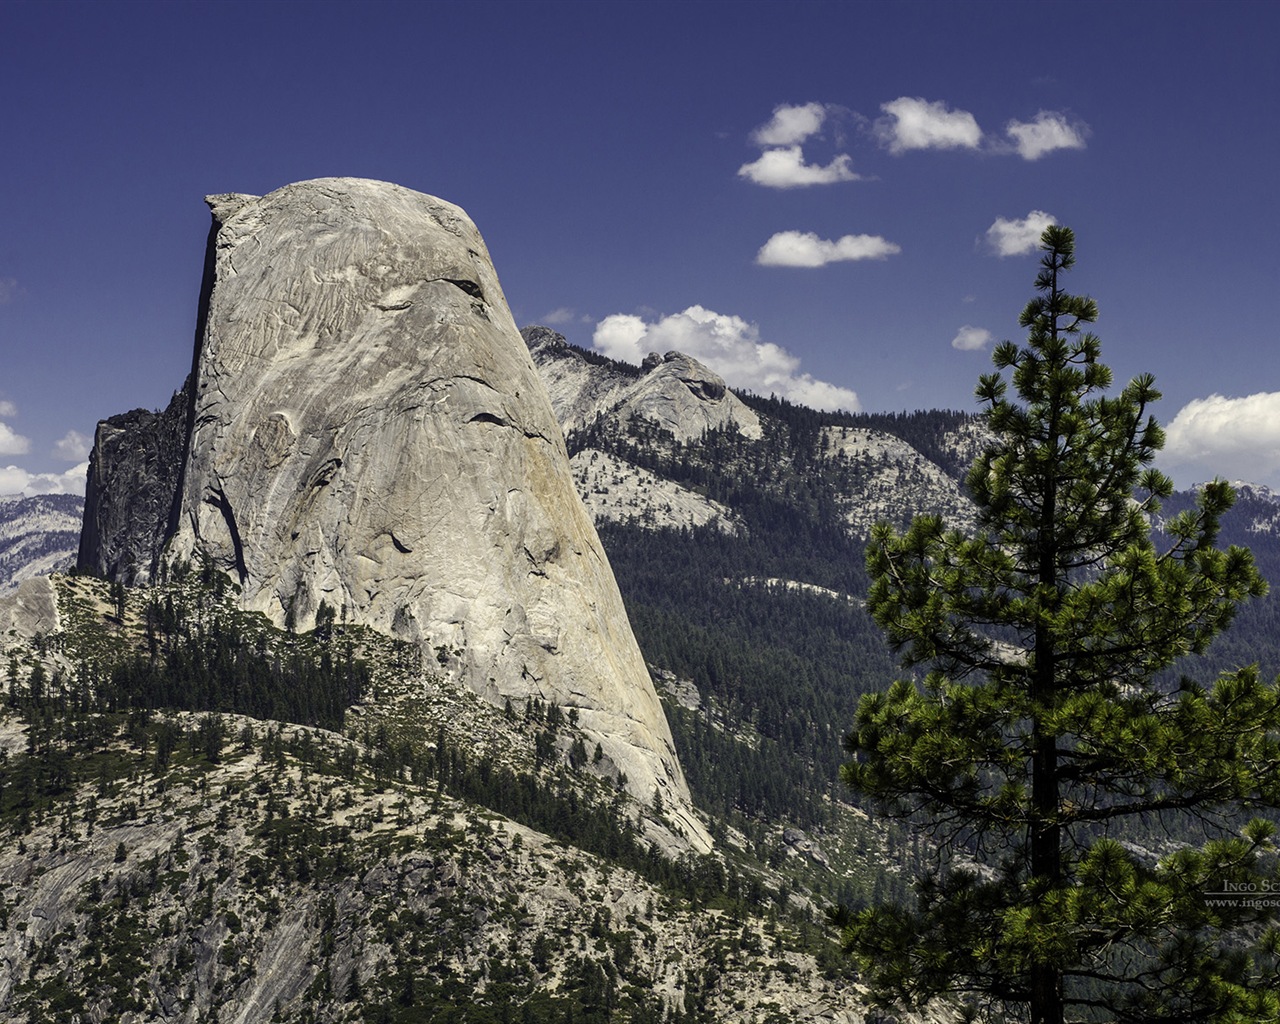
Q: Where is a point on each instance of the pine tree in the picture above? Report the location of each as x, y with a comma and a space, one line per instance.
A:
1048, 744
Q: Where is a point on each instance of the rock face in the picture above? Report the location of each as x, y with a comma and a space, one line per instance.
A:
896, 481
31, 609
368, 432
133, 477
675, 391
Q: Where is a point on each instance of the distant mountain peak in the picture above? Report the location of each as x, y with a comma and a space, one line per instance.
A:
674, 391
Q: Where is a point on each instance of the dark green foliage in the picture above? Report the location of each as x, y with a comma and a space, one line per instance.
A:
786, 665
923, 429
597, 359
233, 664
1042, 733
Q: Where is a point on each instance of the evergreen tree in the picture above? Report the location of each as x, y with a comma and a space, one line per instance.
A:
1045, 746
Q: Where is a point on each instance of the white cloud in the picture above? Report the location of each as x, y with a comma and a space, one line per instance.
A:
12, 443
790, 125
1234, 438
914, 123
1049, 131
806, 249
970, 339
73, 447
785, 168
9, 288
560, 315
18, 481
727, 344
8, 409
1018, 237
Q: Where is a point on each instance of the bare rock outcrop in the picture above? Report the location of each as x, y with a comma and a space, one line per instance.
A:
368, 432
133, 478
31, 610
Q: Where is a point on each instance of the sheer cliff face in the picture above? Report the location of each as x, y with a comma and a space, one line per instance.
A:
368, 431
133, 474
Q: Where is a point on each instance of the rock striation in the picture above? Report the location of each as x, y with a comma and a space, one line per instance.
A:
367, 432
30, 610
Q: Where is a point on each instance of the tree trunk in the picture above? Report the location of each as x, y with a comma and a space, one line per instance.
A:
1046, 867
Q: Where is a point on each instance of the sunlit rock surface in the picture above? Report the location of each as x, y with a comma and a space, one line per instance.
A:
30, 610
368, 431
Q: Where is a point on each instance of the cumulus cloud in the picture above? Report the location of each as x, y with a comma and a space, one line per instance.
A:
790, 125
1018, 237
806, 249
1047, 132
9, 288
727, 344
11, 442
73, 447
785, 168
915, 123
1234, 438
14, 480
8, 408
971, 339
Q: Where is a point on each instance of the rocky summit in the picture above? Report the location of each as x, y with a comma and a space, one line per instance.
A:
366, 435
674, 391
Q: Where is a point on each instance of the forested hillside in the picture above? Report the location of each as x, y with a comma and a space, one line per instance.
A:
38, 535
402, 851
768, 624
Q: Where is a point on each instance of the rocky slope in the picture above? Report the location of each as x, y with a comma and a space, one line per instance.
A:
187, 867
894, 480
368, 436
614, 490
666, 407
38, 535
672, 391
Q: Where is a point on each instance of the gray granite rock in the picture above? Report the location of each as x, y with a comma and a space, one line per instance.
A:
134, 471
684, 397
31, 610
368, 431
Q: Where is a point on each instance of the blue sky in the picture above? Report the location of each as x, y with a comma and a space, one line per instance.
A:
822, 200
